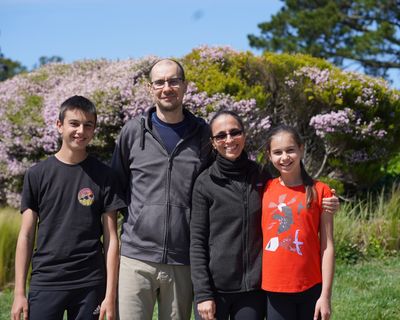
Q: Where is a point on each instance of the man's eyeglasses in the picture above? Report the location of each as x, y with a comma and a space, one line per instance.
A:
173, 82
221, 137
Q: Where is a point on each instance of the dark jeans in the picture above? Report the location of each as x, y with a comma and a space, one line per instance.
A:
293, 306
80, 304
239, 306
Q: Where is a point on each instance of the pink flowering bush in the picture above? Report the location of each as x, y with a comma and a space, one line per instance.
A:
349, 121
30, 105
356, 121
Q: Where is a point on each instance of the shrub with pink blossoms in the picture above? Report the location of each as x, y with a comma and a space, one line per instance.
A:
349, 121
338, 113
118, 89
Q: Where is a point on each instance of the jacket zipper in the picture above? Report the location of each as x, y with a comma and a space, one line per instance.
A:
246, 235
168, 195
164, 258
166, 221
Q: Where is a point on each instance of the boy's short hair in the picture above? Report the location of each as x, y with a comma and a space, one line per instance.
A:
77, 102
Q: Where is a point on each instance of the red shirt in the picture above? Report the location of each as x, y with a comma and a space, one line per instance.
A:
291, 246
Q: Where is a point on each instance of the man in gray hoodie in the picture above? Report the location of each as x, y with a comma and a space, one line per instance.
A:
158, 157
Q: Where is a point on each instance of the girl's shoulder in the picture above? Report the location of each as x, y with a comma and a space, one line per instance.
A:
322, 189
272, 182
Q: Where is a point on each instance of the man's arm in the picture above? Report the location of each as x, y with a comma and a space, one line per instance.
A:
26, 239
111, 255
120, 161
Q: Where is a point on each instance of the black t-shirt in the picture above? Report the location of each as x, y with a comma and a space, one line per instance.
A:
69, 200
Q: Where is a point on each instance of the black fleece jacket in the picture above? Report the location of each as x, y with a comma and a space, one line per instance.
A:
226, 238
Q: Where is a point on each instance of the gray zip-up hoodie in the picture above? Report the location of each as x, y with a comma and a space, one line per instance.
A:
158, 188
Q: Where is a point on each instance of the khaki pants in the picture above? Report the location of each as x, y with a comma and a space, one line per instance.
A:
142, 283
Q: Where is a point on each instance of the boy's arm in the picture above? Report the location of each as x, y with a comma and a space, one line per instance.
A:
323, 305
111, 255
23, 256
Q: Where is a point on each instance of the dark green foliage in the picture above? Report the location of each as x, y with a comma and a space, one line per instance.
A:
9, 68
43, 60
347, 252
334, 184
365, 31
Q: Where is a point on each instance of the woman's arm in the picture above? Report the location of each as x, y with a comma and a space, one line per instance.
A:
199, 252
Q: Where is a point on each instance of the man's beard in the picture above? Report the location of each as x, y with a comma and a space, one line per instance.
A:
170, 107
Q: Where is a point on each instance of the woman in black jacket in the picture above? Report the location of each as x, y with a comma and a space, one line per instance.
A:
226, 238
225, 227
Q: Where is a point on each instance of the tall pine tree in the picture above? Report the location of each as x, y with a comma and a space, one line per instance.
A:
366, 32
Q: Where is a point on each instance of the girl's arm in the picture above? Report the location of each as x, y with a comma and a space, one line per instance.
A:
26, 239
111, 255
323, 305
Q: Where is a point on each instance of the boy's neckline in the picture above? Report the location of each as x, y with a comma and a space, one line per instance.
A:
70, 160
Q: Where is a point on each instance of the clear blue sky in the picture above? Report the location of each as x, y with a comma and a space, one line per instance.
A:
119, 29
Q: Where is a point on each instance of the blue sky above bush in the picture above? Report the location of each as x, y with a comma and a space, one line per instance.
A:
78, 29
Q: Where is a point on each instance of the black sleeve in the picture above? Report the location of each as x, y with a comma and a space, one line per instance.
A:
120, 161
30, 193
207, 153
199, 250
113, 198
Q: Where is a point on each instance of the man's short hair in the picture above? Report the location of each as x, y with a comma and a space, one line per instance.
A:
181, 70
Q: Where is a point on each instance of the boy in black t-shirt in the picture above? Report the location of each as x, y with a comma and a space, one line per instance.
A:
72, 199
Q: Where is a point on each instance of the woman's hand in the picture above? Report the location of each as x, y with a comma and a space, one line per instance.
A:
331, 205
206, 309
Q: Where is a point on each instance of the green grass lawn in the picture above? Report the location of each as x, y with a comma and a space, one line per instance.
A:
365, 291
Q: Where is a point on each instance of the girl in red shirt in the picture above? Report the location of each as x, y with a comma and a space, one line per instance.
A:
298, 250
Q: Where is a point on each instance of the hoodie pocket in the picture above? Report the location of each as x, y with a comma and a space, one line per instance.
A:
178, 233
149, 228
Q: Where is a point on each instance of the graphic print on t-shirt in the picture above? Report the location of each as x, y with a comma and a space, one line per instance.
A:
86, 197
284, 216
